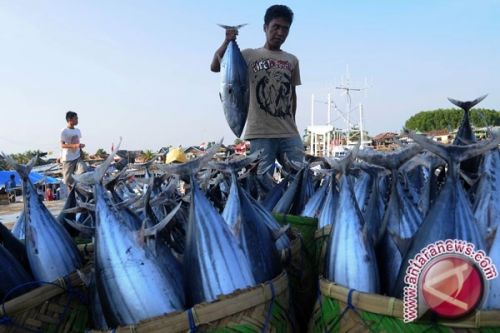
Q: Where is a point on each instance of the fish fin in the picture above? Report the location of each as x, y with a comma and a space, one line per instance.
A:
86, 205
141, 239
127, 203
86, 278
391, 160
116, 178
401, 243
236, 162
281, 231
162, 224
96, 176
469, 180
191, 167
73, 210
80, 227
469, 104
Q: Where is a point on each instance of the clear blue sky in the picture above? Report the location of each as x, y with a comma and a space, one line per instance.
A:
140, 69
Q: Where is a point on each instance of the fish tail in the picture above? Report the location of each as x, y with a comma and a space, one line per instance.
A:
466, 106
230, 27
101, 169
22, 169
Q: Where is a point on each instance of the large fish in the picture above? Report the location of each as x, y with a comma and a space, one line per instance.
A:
421, 181
132, 284
12, 275
326, 216
350, 258
51, 251
401, 219
451, 216
214, 262
493, 301
367, 191
315, 203
487, 193
234, 92
14, 246
19, 227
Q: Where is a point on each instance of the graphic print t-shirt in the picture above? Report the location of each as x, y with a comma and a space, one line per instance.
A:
272, 74
72, 136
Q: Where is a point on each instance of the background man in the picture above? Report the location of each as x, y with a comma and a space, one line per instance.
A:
71, 150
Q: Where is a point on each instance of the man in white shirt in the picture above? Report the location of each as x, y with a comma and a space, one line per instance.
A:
71, 150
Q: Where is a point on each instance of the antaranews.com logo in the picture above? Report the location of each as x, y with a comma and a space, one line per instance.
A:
447, 277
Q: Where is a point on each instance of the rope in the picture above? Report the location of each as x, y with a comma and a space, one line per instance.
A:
192, 323
349, 306
269, 311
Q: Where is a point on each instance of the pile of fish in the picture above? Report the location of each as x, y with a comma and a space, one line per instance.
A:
188, 233
157, 249
385, 210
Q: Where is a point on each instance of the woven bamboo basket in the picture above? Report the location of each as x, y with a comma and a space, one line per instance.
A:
303, 270
321, 239
264, 308
60, 306
377, 313
306, 226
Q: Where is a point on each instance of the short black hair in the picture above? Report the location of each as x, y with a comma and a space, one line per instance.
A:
278, 11
12, 176
70, 115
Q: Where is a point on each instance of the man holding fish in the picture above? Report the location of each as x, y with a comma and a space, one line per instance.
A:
273, 75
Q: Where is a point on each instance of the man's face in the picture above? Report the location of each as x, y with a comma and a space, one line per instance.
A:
276, 32
73, 121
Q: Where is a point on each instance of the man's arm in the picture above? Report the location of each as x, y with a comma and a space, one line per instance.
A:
71, 145
230, 35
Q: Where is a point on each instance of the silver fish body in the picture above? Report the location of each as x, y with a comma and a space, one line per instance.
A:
328, 209
234, 92
315, 203
132, 285
51, 251
19, 227
257, 242
214, 262
350, 259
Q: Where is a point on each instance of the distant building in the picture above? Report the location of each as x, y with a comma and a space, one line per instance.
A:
385, 141
442, 136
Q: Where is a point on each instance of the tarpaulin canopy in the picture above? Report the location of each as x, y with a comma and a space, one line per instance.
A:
34, 177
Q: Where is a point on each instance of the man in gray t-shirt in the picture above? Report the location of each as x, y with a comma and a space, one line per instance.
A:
273, 75
72, 162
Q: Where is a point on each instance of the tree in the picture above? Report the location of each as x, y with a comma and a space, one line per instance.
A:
101, 153
24, 158
450, 119
147, 155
